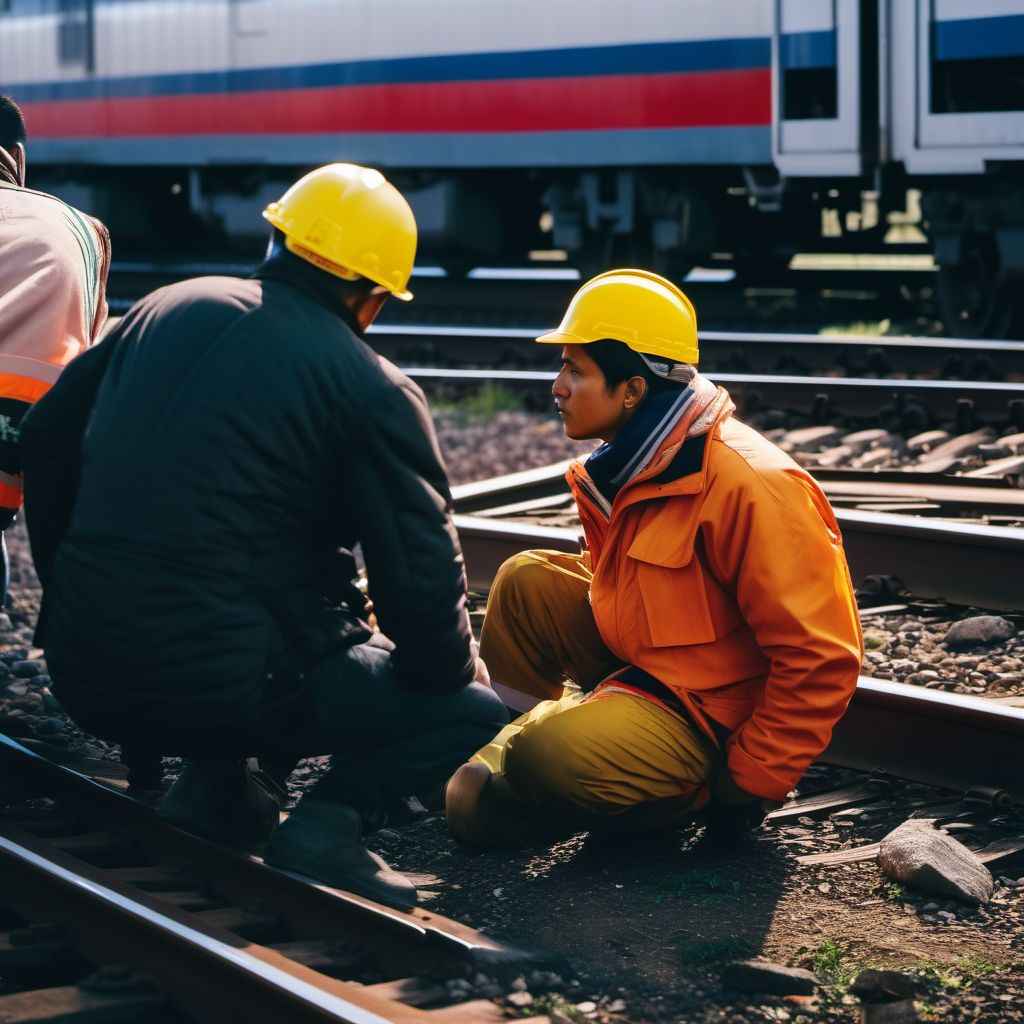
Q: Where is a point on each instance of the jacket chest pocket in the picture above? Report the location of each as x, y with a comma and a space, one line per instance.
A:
672, 585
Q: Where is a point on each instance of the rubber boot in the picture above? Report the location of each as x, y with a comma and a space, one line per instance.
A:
484, 812
323, 841
223, 800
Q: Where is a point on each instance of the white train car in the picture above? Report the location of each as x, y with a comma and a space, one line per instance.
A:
659, 130
928, 93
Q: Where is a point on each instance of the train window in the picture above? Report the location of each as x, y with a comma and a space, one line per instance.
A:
977, 65
74, 32
807, 58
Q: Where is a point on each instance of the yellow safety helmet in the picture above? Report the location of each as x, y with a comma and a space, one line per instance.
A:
352, 222
645, 311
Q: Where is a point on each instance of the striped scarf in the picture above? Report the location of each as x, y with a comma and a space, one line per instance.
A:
8, 168
614, 465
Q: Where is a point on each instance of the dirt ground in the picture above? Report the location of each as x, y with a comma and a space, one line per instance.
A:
646, 925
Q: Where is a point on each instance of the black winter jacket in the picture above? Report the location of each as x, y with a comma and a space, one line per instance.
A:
189, 483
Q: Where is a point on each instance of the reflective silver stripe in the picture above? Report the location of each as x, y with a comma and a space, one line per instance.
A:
36, 369
12, 481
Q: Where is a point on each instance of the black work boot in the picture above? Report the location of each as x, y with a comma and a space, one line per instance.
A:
484, 812
224, 801
323, 841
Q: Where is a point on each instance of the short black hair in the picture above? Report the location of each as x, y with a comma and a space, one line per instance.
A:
618, 362
12, 123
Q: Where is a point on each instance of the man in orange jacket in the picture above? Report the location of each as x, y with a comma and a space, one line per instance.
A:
709, 635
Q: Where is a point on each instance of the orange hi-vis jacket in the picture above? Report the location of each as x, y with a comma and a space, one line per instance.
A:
729, 585
53, 269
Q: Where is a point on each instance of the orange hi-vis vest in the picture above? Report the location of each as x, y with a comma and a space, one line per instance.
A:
53, 270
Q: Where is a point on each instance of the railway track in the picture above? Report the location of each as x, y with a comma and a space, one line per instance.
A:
525, 296
872, 356
963, 563
161, 917
912, 405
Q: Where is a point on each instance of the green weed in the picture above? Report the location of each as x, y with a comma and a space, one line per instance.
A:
551, 1004
834, 961
487, 402
714, 950
701, 886
893, 890
959, 974
869, 327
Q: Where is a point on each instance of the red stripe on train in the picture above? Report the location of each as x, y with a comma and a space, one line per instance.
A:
691, 100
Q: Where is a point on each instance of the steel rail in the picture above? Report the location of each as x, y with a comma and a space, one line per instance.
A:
396, 938
756, 351
211, 974
946, 492
965, 564
942, 739
862, 396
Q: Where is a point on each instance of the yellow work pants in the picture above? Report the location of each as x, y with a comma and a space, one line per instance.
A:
606, 754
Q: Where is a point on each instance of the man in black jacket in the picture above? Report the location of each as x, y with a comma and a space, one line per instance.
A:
194, 487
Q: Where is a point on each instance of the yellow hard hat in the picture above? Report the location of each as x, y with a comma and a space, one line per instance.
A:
642, 310
352, 222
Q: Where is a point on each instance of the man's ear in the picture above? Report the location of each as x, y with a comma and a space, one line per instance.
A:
636, 388
19, 161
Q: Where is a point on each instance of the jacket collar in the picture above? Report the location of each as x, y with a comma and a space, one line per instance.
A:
316, 284
678, 466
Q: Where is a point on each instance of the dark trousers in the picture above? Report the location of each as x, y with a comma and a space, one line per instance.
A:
387, 741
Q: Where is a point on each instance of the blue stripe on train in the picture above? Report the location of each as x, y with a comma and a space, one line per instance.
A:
639, 58
974, 38
799, 50
592, 148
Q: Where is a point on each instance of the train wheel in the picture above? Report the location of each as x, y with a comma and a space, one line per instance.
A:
971, 303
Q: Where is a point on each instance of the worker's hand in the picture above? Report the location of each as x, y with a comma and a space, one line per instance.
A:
732, 810
725, 790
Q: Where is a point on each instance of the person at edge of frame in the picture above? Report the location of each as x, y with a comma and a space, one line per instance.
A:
54, 262
195, 485
710, 627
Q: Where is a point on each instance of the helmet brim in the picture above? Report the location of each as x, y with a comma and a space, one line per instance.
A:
558, 338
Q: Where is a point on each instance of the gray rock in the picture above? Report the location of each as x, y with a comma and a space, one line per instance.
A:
1012, 464
809, 439
902, 1011
927, 441
760, 975
981, 629
877, 986
965, 444
923, 677
5, 621
28, 669
874, 457
1014, 442
861, 439
917, 854
832, 457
